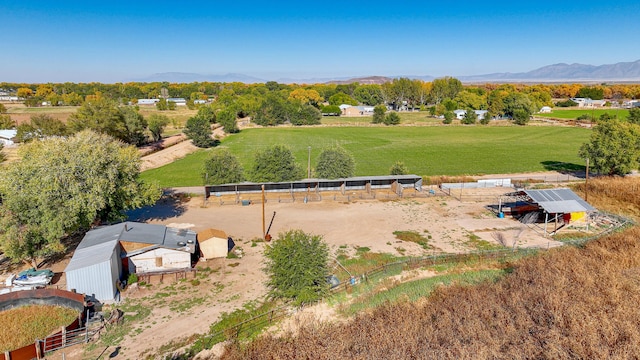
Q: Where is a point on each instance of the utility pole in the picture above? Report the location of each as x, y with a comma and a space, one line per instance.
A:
309, 164
586, 183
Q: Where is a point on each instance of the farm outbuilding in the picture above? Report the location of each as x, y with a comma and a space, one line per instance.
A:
559, 207
214, 243
7, 136
108, 253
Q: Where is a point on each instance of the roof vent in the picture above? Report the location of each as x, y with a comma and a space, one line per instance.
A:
182, 243
189, 241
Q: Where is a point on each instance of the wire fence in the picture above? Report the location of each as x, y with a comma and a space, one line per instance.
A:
255, 324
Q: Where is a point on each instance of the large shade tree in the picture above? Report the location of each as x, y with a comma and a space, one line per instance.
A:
614, 147
297, 265
222, 167
334, 163
63, 185
102, 116
275, 164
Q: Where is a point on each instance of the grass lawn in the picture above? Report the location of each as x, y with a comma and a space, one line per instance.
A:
574, 113
425, 150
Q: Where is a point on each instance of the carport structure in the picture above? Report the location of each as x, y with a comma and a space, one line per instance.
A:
559, 206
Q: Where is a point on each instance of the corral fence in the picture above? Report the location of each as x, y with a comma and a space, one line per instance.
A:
253, 325
71, 334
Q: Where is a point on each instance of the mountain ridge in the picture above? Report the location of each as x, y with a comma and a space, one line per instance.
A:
621, 71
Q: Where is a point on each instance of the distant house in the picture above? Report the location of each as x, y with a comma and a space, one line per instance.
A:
108, 253
178, 101
148, 101
7, 136
587, 102
348, 110
460, 114
545, 110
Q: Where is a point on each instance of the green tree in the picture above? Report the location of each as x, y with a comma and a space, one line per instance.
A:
331, 110
297, 267
63, 185
368, 94
634, 115
156, 124
304, 114
162, 105
392, 118
444, 88
521, 117
136, 126
486, 119
6, 122
273, 110
470, 117
342, 98
335, 162
398, 168
171, 105
41, 126
102, 116
448, 117
378, 114
614, 147
222, 167
3, 109
227, 118
275, 164
591, 92
199, 131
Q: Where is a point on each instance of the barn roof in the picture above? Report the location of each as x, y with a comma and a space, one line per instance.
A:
559, 201
98, 244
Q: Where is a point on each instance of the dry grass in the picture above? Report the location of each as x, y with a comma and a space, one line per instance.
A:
22, 325
565, 303
614, 194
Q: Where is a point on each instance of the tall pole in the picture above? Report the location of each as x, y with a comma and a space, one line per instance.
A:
264, 230
309, 164
586, 183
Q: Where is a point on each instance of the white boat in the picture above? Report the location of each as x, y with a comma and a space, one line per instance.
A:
32, 280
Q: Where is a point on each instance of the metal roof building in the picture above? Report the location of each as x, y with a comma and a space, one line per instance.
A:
556, 205
96, 265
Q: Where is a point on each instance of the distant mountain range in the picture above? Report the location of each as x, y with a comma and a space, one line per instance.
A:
622, 71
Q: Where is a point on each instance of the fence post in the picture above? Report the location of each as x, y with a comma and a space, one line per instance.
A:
38, 350
64, 336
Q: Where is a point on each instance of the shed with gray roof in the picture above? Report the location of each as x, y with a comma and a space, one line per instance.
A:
107, 253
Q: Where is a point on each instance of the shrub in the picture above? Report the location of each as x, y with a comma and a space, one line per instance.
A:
398, 168
392, 118
297, 266
334, 163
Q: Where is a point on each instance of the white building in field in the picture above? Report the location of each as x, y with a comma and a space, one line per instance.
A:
148, 101
7, 136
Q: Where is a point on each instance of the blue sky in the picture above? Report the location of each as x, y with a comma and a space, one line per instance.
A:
114, 41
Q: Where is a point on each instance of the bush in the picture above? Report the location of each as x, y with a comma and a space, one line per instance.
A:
398, 168
275, 164
334, 163
132, 278
297, 266
448, 117
378, 114
521, 117
566, 103
392, 118
333, 110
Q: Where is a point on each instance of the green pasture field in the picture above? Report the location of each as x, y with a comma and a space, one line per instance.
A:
425, 150
575, 113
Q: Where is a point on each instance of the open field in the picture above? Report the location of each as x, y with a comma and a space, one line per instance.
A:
425, 150
560, 113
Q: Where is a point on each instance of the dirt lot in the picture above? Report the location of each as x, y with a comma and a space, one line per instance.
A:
234, 282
